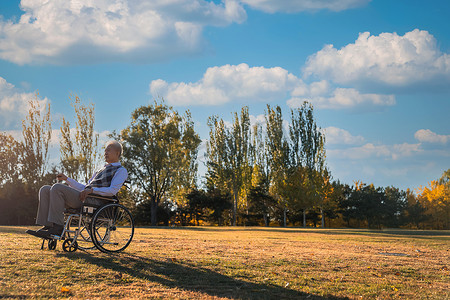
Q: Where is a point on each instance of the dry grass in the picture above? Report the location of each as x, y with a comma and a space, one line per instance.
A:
234, 263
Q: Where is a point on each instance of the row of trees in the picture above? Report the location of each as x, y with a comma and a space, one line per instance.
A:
23, 166
265, 162
356, 206
24, 163
271, 172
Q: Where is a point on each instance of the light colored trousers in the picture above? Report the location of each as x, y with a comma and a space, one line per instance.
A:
53, 200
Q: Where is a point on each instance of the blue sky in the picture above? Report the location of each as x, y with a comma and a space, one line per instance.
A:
377, 72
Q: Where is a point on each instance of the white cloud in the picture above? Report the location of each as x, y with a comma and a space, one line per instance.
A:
334, 135
259, 119
272, 6
428, 136
227, 83
14, 104
405, 150
343, 98
223, 84
388, 59
371, 151
93, 31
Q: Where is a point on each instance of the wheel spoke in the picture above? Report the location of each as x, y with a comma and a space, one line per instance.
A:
113, 228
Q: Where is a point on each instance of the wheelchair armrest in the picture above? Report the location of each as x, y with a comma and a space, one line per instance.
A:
108, 198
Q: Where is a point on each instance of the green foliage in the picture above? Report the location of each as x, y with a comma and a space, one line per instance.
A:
445, 178
36, 132
374, 206
261, 203
9, 159
24, 166
277, 152
79, 148
229, 154
206, 206
160, 150
292, 166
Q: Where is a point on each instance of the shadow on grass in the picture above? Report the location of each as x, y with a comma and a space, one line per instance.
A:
186, 277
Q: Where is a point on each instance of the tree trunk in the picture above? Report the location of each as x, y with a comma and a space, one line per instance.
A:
154, 212
235, 207
266, 220
323, 218
304, 218
284, 217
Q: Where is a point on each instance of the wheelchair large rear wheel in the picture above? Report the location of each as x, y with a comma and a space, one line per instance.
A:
112, 228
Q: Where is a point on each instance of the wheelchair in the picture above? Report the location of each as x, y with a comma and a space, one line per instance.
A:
101, 223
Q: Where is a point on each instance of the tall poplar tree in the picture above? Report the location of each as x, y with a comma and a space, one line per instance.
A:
277, 153
228, 152
36, 132
308, 185
79, 146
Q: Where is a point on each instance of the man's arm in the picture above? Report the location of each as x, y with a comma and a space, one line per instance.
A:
75, 184
71, 182
116, 183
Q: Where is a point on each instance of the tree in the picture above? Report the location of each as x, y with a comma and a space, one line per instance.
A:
415, 211
24, 166
394, 204
261, 203
11, 188
217, 176
228, 153
436, 198
238, 157
347, 207
186, 179
36, 132
277, 153
307, 161
9, 159
445, 178
220, 202
79, 147
197, 202
156, 151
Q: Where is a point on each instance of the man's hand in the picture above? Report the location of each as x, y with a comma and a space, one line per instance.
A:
84, 194
61, 177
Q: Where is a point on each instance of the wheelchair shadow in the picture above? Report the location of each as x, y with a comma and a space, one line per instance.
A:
191, 278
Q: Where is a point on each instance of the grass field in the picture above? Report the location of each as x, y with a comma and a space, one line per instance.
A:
234, 263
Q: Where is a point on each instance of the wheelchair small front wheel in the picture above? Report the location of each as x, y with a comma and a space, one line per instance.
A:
112, 228
52, 244
70, 245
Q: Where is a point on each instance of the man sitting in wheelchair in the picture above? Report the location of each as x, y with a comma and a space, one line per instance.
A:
54, 199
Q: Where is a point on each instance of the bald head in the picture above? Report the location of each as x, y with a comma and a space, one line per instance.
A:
113, 151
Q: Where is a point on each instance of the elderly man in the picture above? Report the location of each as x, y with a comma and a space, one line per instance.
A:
53, 199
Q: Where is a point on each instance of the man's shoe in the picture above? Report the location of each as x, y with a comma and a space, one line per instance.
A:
38, 232
56, 230
29, 231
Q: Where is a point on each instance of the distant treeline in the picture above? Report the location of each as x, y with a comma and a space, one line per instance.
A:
270, 173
